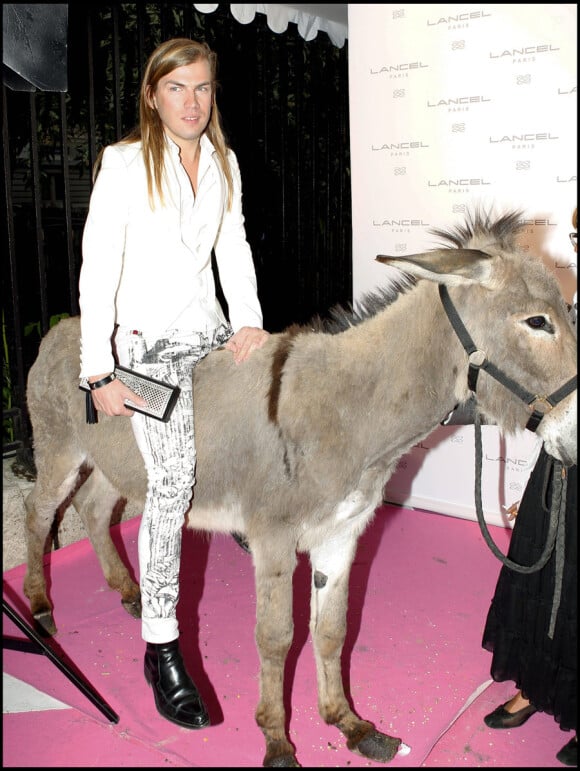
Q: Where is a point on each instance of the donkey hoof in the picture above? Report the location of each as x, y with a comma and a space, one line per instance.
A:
44, 623
378, 746
280, 754
133, 607
282, 761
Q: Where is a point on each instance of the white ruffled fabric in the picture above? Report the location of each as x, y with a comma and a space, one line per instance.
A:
279, 16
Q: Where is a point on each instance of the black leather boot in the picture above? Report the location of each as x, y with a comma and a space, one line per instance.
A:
176, 696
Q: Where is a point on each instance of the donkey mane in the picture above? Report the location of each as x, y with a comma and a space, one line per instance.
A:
342, 317
480, 230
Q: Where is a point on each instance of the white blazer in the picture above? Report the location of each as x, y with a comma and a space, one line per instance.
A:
150, 269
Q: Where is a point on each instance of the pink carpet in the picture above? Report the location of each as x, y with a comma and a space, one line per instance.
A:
420, 590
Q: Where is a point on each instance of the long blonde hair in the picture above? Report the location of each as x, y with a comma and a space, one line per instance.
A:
173, 53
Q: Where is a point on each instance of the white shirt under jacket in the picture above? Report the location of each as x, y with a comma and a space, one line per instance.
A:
150, 269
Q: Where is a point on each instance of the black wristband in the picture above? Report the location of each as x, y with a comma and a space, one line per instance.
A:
105, 381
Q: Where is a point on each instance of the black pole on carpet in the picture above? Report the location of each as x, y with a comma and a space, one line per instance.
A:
37, 645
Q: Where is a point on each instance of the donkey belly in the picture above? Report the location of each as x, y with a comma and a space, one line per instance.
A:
222, 518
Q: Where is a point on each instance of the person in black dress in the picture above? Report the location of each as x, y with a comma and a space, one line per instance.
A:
531, 627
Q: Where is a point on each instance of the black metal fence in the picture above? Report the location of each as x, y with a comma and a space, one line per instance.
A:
285, 107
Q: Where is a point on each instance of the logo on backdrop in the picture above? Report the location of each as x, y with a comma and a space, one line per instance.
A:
459, 185
519, 141
459, 103
402, 223
538, 223
399, 149
400, 70
512, 464
523, 55
515, 487
402, 67
529, 229
398, 226
532, 141
458, 20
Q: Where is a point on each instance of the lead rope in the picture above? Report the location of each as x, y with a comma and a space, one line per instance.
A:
559, 471
556, 527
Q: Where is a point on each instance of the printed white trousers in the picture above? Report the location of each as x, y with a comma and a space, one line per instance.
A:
168, 451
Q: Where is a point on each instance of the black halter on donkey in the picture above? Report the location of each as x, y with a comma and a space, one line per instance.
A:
539, 405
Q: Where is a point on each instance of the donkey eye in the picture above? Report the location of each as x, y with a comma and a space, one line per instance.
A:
539, 322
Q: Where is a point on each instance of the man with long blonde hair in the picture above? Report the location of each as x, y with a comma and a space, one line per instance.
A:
165, 197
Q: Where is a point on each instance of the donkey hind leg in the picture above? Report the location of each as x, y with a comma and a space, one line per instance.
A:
95, 500
331, 565
51, 489
274, 569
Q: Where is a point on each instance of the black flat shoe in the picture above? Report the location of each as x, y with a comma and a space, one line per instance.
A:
176, 696
501, 718
568, 755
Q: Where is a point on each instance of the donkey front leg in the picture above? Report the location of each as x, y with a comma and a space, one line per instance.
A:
274, 633
331, 564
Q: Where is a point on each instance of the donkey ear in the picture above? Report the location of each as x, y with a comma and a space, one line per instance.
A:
444, 266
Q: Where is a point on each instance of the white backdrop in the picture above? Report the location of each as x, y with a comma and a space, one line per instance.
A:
454, 105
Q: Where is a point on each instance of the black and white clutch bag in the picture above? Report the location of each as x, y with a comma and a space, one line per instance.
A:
160, 396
